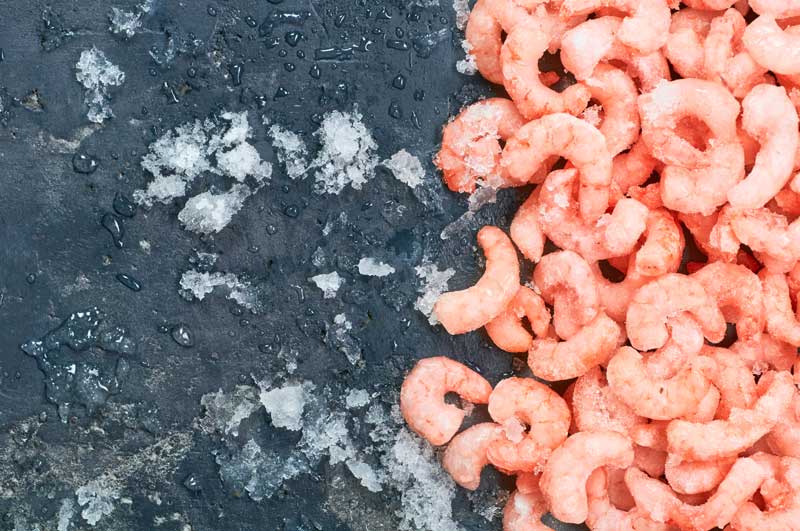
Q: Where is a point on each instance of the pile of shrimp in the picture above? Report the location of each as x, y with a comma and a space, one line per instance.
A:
681, 128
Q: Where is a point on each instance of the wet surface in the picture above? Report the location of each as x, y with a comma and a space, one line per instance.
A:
129, 398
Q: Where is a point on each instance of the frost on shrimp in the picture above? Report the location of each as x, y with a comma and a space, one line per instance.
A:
770, 235
469, 309
506, 330
422, 397
733, 378
595, 407
784, 438
662, 249
526, 506
465, 455
526, 231
617, 93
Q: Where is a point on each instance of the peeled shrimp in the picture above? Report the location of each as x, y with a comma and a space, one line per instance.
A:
595, 407
765, 352
422, 397
737, 291
506, 330
465, 455
782, 324
469, 309
781, 494
733, 379
564, 478
772, 47
684, 343
784, 438
630, 169
528, 402
526, 231
617, 93
526, 506
604, 515
470, 147
770, 235
695, 477
685, 47
663, 245
572, 138
776, 8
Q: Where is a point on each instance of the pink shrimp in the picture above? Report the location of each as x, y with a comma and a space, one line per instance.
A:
526, 231
506, 330
695, 477
737, 291
733, 379
422, 397
526, 506
765, 352
784, 438
663, 245
614, 234
718, 47
726, 438
604, 515
564, 478
650, 460
593, 345
656, 398
685, 47
710, 5
772, 47
776, 8
470, 147
782, 324
520, 56
595, 407
684, 343
526, 401
465, 455
770, 118
572, 138
667, 296
707, 408
469, 309
565, 281
652, 435
770, 235
616, 297
781, 493
631, 169
617, 93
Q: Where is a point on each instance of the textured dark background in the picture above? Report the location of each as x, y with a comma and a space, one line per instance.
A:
56, 258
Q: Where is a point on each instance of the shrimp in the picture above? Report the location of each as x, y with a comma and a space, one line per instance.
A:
726, 438
565, 281
650, 460
733, 379
470, 147
506, 330
685, 341
781, 496
737, 291
526, 506
520, 56
422, 397
710, 5
656, 398
524, 400
663, 245
526, 231
465, 456
617, 93
652, 435
572, 138
593, 345
564, 478
630, 169
604, 515
768, 234
764, 353
695, 477
776, 8
770, 118
772, 47
469, 309
685, 47
595, 407
616, 297
655, 302
614, 234
782, 323
719, 44
784, 438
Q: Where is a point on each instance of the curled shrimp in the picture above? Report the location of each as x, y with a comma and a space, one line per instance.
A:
565, 281
718, 48
718, 439
784, 438
765, 352
527, 402
593, 345
630, 169
526, 231
770, 235
465, 455
469, 309
526, 506
662, 249
685, 47
772, 47
780, 492
520, 56
657, 398
569, 137
695, 477
776, 8
422, 397
506, 330
782, 324
616, 297
470, 143
655, 302
595, 407
604, 515
770, 118
614, 234
685, 342
617, 93
737, 291
564, 478
733, 379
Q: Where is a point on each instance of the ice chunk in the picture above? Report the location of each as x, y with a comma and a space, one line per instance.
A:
97, 74
198, 285
373, 268
329, 283
434, 283
290, 150
97, 499
406, 168
461, 9
366, 474
318, 257
65, 514
593, 115
225, 412
243, 161
124, 23
209, 213
356, 398
467, 66
338, 336
285, 405
347, 153
258, 473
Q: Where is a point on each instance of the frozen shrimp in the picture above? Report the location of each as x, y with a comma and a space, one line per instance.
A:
737, 291
506, 330
593, 345
765, 352
520, 56
707, 408
596, 408
685, 342
532, 404
768, 234
733, 379
465, 455
652, 435
770, 118
655, 302
611, 235
776, 8
662, 249
526, 231
630, 169
469, 309
526, 506
781, 494
710, 5
784, 438
470, 143
604, 515
617, 93
564, 478
718, 47
423, 392
484, 34
726, 438
685, 47
656, 398
781, 322
616, 297
772, 47
695, 477
572, 138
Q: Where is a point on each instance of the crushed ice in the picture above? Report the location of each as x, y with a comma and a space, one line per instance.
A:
433, 284
406, 168
97, 75
329, 283
371, 267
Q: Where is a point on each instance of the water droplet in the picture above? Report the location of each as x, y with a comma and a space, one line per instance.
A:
419, 94
377, 31
282, 53
414, 15
291, 211
192, 484
280, 93
415, 120
395, 44
2, 55
84, 163
172, 97
250, 21
399, 32
153, 72
399, 82
292, 38
191, 71
301, 54
244, 322
289, 67
113, 224
43, 416
339, 20
212, 11
285, 188
383, 14
272, 230
236, 70
31, 278
124, 206
182, 335
272, 42
395, 111
129, 282
314, 71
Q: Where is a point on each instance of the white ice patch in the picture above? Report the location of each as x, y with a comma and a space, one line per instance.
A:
124, 23
329, 283
197, 285
406, 168
97, 75
243, 161
467, 66
356, 398
290, 150
97, 499
285, 405
434, 283
225, 412
347, 153
461, 9
209, 213
371, 267
65, 514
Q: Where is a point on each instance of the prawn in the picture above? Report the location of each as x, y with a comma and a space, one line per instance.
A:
663, 245
784, 438
525, 507
422, 397
469, 309
768, 234
765, 352
595, 407
696, 477
617, 93
465, 455
630, 169
685, 47
526, 231
506, 330
780, 493
781, 322
772, 47
733, 379
604, 515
